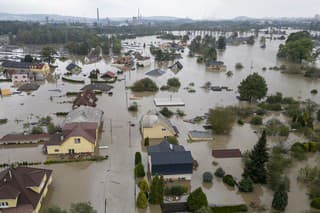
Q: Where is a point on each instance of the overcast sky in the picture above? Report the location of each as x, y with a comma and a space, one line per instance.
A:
197, 9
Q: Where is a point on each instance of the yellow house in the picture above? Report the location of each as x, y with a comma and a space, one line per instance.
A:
155, 127
75, 138
5, 92
40, 67
22, 189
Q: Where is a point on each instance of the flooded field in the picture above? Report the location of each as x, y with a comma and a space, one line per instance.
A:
113, 179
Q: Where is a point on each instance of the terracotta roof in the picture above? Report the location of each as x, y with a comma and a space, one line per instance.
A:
23, 137
85, 98
82, 129
15, 182
226, 153
108, 74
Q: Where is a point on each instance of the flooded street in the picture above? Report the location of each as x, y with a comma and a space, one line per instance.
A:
113, 179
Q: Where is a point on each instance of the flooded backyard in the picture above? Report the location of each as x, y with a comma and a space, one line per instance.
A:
113, 179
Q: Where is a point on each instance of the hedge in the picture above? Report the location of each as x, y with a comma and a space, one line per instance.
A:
315, 203
6, 80
228, 179
229, 209
61, 113
77, 93
73, 80
95, 158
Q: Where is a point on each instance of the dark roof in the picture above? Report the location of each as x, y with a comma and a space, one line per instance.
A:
16, 65
28, 87
85, 98
156, 72
15, 182
108, 74
174, 207
169, 158
23, 137
165, 146
83, 129
98, 86
226, 153
216, 63
73, 66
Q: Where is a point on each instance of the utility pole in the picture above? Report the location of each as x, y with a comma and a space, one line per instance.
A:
111, 129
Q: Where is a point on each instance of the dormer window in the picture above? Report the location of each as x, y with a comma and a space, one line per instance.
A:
77, 140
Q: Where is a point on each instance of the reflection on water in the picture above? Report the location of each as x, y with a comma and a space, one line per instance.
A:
113, 178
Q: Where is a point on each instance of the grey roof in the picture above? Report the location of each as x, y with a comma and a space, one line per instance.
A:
28, 87
98, 86
16, 65
169, 158
156, 72
165, 146
84, 114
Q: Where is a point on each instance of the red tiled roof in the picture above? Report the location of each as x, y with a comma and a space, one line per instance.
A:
108, 74
226, 153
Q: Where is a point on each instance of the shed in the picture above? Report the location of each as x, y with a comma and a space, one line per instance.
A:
5, 92
226, 153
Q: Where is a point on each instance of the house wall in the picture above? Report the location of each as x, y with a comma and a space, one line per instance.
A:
45, 191
83, 147
19, 78
11, 203
156, 132
45, 69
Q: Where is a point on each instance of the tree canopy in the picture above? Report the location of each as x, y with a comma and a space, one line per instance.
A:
197, 199
254, 87
298, 47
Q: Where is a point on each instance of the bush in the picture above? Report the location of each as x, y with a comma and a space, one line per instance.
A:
204, 209
256, 120
228, 179
173, 82
146, 141
246, 185
172, 140
133, 107
270, 107
240, 122
180, 113
284, 131
145, 85
142, 201
37, 130
239, 66
298, 151
143, 185
315, 203
73, 80
139, 170
274, 99
137, 158
219, 173
166, 112
314, 91
207, 177
260, 112
197, 199
3, 121
229, 209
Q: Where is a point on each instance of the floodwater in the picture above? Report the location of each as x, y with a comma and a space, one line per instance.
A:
112, 181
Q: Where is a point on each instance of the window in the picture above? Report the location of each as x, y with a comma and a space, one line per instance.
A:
15, 77
77, 140
56, 150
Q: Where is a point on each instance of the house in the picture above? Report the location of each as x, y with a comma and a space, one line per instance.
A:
156, 127
73, 68
196, 135
28, 87
24, 139
5, 92
216, 65
176, 67
85, 98
85, 114
156, 72
23, 189
40, 67
108, 74
171, 161
97, 87
20, 77
75, 138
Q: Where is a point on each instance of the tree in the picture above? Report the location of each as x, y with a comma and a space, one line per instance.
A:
37, 130
137, 158
139, 170
221, 120
207, 177
145, 85
298, 47
47, 54
146, 141
221, 43
246, 185
28, 58
197, 199
143, 185
173, 82
251, 40
204, 209
142, 201
280, 198
82, 208
156, 190
54, 209
255, 167
254, 87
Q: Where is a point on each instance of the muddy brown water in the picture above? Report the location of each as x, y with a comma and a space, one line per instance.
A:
113, 179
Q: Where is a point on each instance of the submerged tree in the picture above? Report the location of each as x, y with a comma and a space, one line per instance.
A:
254, 87
197, 199
280, 198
